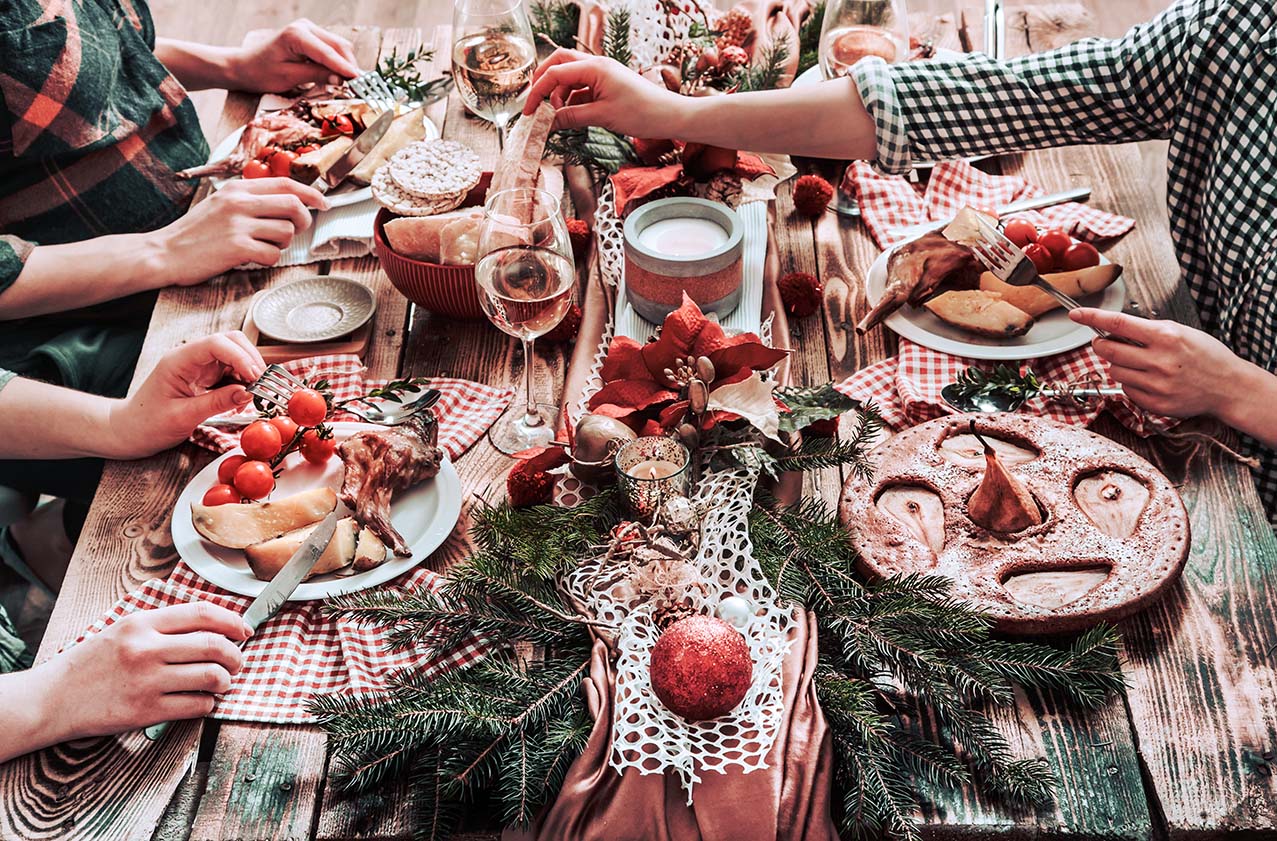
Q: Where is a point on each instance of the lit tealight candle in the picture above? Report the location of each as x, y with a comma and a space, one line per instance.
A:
650, 470
654, 468
683, 236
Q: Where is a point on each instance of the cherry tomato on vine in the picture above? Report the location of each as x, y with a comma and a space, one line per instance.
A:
1055, 240
307, 149
254, 479
1020, 231
307, 407
987, 211
226, 470
260, 440
343, 125
1079, 255
221, 495
256, 169
1040, 257
287, 428
280, 161
317, 450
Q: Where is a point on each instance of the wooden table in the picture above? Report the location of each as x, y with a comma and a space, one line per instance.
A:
1185, 754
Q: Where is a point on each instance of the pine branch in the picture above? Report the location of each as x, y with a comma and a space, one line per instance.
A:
616, 36
768, 68
809, 37
556, 20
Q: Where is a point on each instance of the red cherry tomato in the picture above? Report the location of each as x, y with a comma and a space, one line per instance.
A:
1040, 257
254, 479
260, 440
221, 495
307, 407
256, 169
279, 162
1079, 255
987, 211
307, 149
317, 450
343, 125
1055, 240
226, 470
1020, 231
287, 428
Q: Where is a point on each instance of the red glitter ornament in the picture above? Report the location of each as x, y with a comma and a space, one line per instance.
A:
566, 330
733, 57
526, 488
701, 668
579, 236
812, 195
801, 293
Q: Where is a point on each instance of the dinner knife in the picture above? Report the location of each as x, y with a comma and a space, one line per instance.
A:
338, 171
1076, 194
278, 590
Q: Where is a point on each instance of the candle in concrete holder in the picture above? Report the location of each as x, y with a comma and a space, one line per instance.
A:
679, 245
650, 470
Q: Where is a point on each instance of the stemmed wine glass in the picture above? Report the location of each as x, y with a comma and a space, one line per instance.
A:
525, 275
493, 56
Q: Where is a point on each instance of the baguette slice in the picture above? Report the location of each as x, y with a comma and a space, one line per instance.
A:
419, 237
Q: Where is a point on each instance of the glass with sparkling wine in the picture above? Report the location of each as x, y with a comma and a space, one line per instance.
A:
526, 275
493, 56
854, 29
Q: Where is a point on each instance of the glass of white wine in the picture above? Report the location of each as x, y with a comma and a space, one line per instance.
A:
493, 56
854, 29
526, 275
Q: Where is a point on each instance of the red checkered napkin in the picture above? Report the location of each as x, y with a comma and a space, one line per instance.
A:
891, 201
300, 652
906, 388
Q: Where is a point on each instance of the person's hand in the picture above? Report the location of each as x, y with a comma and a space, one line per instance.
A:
180, 394
246, 221
1179, 372
300, 52
594, 91
150, 666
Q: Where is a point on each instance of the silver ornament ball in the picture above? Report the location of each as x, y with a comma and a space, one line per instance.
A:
735, 611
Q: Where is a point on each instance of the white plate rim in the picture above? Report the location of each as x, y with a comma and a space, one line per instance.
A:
338, 198
912, 324
190, 546
323, 337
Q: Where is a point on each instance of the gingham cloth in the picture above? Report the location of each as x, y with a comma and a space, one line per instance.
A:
300, 652
888, 202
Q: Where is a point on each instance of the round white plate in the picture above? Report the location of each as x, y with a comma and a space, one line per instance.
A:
314, 309
1053, 332
340, 196
425, 515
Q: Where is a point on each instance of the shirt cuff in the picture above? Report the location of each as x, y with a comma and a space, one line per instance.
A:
878, 93
5, 376
13, 256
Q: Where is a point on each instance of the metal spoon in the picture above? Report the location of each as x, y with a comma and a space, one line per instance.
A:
998, 401
389, 413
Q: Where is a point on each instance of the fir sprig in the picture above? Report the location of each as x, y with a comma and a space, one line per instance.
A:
768, 68
809, 37
616, 36
557, 21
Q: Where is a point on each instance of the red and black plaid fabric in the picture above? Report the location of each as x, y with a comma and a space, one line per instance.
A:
300, 652
92, 126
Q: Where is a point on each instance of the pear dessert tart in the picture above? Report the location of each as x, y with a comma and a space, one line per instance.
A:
1045, 527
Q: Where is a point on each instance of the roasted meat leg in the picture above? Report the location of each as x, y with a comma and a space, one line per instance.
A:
277, 128
920, 270
380, 464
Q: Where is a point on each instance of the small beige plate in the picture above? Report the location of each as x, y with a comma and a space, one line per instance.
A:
314, 309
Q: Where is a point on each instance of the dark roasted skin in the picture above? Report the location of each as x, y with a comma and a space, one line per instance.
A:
380, 464
918, 271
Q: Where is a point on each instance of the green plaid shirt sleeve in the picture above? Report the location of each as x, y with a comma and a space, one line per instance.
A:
13, 256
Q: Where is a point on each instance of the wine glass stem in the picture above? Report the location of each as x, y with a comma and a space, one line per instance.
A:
501, 142
533, 417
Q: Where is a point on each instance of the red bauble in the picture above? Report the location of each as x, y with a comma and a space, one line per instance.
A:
566, 330
812, 195
579, 236
701, 668
526, 488
801, 293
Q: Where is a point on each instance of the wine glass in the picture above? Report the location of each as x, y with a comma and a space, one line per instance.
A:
525, 275
493, 56
854, 29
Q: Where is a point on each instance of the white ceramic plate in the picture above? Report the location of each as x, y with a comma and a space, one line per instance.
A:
314, 309
340, 196
425, 515
1052, 333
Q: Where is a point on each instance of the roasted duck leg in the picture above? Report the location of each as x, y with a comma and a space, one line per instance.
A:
380, 464
920, 270
277, 128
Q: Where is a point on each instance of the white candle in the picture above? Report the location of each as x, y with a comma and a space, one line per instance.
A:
654, 468
683, 236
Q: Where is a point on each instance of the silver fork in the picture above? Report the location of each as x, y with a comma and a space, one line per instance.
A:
275, 386
1005, 259
373, 89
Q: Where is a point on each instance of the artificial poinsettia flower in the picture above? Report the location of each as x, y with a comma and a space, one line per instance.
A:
637, 390
632, 184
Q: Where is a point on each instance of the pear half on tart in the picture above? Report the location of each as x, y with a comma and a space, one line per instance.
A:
1001, 503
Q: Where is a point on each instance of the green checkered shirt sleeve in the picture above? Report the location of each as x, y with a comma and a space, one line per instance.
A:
13, 256
1092, 91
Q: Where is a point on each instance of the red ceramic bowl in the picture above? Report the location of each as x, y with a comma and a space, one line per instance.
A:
446, 290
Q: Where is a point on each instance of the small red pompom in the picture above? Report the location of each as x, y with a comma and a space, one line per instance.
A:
701, 668
812, 195
801, 293
566, 330
526, 488
579, 236
824, 428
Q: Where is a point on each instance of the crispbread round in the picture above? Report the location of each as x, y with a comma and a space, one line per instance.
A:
431, 168
389, 195
1049, 578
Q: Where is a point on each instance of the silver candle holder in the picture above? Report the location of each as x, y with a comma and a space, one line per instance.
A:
650, 470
